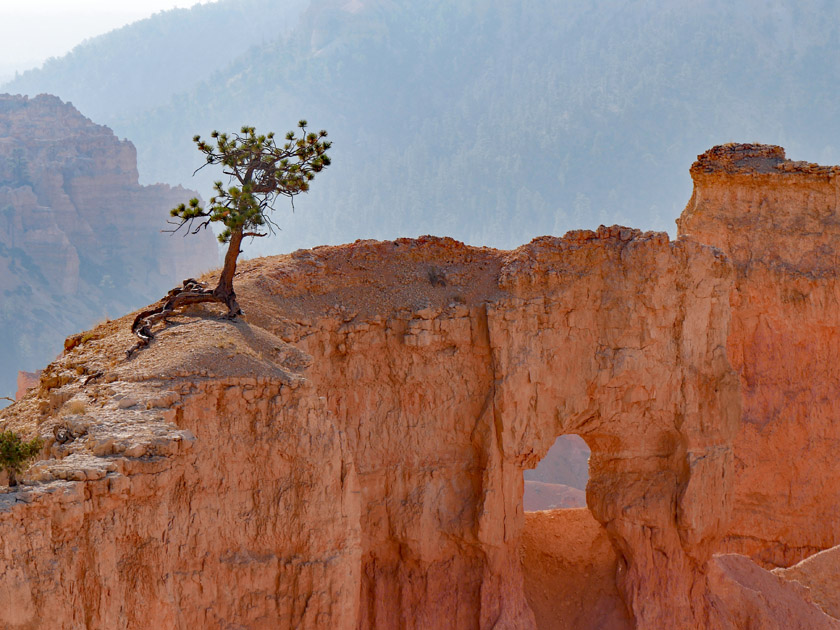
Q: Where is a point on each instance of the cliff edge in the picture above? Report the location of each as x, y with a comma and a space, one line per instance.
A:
351, 454
778, 222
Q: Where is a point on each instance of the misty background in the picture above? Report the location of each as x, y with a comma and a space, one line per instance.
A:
491, 121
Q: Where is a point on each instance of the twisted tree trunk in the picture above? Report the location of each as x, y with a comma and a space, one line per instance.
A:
224, 290
191, 292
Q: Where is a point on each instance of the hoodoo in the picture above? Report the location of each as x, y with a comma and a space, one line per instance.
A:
778, 222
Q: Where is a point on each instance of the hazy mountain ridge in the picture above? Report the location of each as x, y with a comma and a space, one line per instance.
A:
117, 75
495, 121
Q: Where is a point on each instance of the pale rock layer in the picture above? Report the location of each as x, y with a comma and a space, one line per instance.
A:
748, 596
820, 574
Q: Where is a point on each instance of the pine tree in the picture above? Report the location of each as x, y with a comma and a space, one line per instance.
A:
260, 172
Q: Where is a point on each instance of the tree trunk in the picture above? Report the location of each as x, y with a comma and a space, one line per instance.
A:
192, 292
224, 290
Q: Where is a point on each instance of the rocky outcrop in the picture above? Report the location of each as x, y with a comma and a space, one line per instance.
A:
351, 455
779, 223
79, 237
820, 575
747, 596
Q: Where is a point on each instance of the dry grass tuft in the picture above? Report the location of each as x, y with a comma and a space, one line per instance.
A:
74, 407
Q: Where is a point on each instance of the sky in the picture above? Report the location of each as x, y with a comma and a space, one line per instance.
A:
31, 31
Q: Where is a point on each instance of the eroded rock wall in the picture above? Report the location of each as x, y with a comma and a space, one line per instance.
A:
351, 453
632, 360
222, 500
569, 567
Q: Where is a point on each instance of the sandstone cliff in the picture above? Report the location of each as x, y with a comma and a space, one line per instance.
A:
79, 237
351, 453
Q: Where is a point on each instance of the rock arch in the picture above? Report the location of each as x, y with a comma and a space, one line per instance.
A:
615, 335
356, 447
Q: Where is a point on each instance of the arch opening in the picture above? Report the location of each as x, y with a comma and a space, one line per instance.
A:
568, 563
559, 480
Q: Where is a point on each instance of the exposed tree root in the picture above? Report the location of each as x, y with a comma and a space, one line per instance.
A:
191, 292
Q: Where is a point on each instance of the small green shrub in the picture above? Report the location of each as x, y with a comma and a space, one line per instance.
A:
15, 453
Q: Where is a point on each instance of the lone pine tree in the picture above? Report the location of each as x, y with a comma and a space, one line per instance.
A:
260, 171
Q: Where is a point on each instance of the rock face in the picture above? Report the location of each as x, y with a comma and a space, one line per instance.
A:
748, 596
351, 454
779, 223
820, 575
79, 238
569, 568
384, 489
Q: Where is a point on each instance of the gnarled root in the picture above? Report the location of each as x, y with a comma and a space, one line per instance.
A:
191, 292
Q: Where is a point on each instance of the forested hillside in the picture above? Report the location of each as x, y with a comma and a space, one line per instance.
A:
129, 70
492, 121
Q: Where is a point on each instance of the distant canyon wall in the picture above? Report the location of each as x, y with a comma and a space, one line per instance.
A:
80, 239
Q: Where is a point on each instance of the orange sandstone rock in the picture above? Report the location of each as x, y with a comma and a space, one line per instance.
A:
778, 222
569, 567
351, 453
